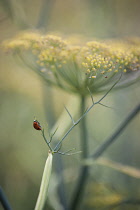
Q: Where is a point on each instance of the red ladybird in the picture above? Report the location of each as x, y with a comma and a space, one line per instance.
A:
36, 125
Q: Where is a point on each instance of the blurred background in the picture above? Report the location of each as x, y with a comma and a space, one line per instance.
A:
23, 95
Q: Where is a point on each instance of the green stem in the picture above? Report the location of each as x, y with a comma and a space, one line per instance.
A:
84, 145
44, 183
83, 115
114, 136
84, 170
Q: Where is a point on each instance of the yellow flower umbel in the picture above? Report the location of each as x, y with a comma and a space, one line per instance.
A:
79, 69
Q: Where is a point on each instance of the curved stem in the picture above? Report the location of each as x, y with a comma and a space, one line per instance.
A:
58, 162
41, 200
84, 170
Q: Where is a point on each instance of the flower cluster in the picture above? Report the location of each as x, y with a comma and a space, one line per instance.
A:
74, 68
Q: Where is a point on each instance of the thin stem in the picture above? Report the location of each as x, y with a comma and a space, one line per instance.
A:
46, 140
85, 113
76, 123
59, 143
110, 88
84, 170
113, 137
69, 115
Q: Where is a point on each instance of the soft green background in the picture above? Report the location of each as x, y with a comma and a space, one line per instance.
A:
23, 96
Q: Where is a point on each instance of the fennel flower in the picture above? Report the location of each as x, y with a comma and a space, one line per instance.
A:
93, 66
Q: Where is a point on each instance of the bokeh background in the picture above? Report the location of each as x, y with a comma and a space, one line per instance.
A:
23, 95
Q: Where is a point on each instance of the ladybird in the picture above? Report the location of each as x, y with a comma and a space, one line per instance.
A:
36, 125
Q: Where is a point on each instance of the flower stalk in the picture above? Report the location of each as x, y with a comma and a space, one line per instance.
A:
44, 183
83, 175
87, 69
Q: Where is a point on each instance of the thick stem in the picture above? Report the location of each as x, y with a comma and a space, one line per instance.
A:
58, 162
83, 130
61, 190
44, 183
83, 174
